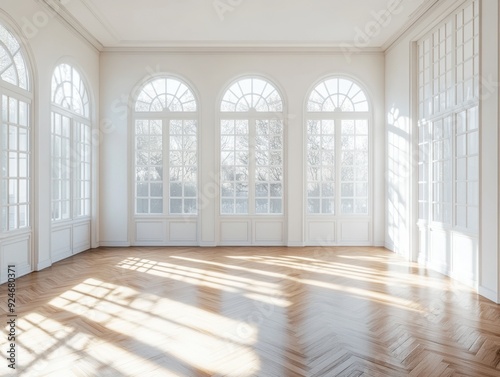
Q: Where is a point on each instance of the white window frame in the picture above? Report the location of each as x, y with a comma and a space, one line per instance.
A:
445, 93
263, 102
78, 118
166, 113
19, 90
358, 109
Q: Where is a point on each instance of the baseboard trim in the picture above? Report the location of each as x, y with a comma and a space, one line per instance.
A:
114, 244
296, 244
207, 244
43, 264
489, 294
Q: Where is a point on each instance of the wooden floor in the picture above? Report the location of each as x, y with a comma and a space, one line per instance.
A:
249, 312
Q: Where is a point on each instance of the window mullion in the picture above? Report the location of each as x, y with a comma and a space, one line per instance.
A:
337, 138
73, 172
252, 132
453, 164
454, 115
165, 126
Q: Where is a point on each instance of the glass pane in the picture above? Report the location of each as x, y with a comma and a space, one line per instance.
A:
175, 205
176, 189
13, 198
262, 190
12, 218
241, 190
23, 191
327, 206
156, 205
347, 174
276, 206
190, 190
227, 206
347, 189
313, 189
361, 189
142, 206
156, 189
361, 206
327, 189
12, 137
190, 206
461, 216
314, 205
241, 206
276, 190
227, 189
262, 206
13, 110
347, 206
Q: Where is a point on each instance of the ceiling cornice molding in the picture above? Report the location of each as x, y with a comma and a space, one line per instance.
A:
101, 18
413, 19
71, 22
204, 48
416, 18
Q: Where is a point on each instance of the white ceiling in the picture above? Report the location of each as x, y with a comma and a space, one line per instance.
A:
165, 23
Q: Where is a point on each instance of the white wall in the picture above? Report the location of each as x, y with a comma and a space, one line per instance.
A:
489, 257
398, 164
209, 74
48, 42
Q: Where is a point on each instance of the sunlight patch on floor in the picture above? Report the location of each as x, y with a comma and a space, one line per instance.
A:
155, 324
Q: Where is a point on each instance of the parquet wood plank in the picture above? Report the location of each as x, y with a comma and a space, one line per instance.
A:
245, 312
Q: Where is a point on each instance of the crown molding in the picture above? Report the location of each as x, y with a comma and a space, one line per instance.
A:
416, 18
68, 20
413, 19
101, 18
243, 47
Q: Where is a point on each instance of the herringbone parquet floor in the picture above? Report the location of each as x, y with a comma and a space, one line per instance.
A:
244, 312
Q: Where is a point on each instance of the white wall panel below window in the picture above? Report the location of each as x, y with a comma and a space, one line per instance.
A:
321, 232
149, 231
355, 232
183, 231
235, 232
16, 251
81, 237
269, 232
60, 243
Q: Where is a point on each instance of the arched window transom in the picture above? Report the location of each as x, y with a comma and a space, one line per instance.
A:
166, 94
69, 91
252, 93
337, 94
13, 67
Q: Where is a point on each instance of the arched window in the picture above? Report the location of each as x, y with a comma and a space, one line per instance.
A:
71, 145
337, 149
166, 140
15, 136
251, 147
13, 68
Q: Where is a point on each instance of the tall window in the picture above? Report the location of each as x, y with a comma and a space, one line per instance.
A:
71, 145
448, 122
251, 147
166, 140
15, 136
337, 149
